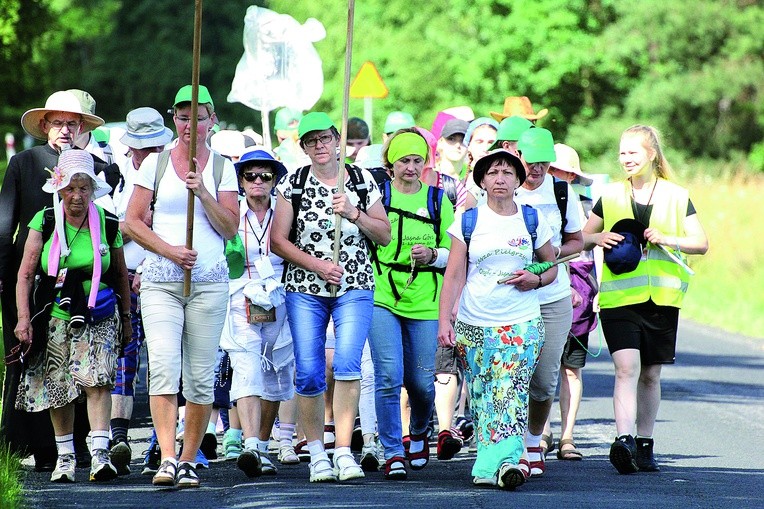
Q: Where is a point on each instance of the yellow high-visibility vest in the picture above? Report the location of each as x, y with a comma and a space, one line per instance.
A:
657, 277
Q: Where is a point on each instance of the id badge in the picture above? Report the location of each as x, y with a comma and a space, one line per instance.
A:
60, 278
264, 267
644, 255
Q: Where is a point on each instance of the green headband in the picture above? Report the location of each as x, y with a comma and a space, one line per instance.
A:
406, 144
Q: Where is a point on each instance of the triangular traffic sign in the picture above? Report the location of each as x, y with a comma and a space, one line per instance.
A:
368, 83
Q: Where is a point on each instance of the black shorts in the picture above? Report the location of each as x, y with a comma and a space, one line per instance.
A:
448, 362
647, 327
574, 354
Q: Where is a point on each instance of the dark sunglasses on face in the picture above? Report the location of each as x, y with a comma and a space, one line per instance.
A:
265, 176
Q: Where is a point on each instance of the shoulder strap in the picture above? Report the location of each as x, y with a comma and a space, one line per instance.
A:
469, 218
385, 189
561, 195
302, 177
449, 186
162, 162
218, 162
48, 224
112, 226
354, 172
434, 197
531, 218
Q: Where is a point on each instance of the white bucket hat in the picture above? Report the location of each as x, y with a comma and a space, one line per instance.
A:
146, 129
71, 162
58, 101
568, 161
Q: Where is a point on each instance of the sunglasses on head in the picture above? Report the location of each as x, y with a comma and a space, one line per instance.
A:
265, 176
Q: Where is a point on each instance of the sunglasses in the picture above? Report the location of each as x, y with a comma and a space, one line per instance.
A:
265, 176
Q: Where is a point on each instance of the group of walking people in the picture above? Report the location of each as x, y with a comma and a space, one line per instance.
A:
450, 267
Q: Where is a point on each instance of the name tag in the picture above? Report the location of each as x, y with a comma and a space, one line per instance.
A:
61, 278
264, 267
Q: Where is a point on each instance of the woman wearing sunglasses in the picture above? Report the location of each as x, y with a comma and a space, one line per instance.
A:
259, 347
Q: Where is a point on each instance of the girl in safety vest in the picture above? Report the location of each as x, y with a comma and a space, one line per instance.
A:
644, 224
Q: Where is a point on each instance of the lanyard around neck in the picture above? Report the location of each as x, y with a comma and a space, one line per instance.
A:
260, 239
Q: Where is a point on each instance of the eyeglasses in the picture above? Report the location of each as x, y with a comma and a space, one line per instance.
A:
265, 176
59, 124
325, 139
186, 120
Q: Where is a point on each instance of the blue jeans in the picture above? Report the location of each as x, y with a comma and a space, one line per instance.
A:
308, 317
403, 350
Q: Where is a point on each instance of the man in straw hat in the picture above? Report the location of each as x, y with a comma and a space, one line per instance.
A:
59, 122
145, 134
520, 106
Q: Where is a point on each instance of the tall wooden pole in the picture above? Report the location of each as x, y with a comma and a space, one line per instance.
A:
343, 134
194, 122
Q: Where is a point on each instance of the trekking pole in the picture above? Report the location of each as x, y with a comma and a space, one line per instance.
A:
539, 267
192, 152
343, 136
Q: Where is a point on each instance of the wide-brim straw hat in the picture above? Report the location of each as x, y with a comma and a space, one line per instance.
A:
568, 161
64, 101
520, 106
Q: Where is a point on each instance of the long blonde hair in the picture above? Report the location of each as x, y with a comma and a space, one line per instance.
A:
652, 141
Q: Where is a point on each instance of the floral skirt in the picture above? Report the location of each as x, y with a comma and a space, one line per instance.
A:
74, 358
499, 365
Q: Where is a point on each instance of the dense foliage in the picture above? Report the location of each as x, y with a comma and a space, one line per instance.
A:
694, 69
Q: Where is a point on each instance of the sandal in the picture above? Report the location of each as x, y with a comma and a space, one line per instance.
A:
424, 454
525, 468
166, 473
186, 477
547, 443
569, 454
395, 469
537, 467
321, 470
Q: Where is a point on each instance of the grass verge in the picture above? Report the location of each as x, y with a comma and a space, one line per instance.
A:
11, 490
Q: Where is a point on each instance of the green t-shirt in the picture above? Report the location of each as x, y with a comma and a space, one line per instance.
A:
420, 299
81, 256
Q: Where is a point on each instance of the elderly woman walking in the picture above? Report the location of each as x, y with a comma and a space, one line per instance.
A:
183, 331
81, 314
498, 329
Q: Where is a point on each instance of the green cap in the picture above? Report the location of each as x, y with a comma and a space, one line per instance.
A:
537, 146
510, 129
314, 121
398, 120
101, 134
184, 96
286, 116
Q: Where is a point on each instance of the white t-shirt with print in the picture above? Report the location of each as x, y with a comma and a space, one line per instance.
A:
542, 199
499, 246
169, 222
315, 236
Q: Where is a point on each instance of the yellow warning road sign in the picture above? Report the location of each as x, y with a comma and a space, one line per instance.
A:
368, 83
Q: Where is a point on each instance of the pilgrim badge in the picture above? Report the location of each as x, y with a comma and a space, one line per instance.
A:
103, 249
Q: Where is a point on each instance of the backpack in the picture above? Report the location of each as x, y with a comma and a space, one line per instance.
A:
218, 162
449, 187
561, 197
469, 219
354, 172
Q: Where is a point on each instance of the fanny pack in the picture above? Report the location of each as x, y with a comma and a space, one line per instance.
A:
106, 302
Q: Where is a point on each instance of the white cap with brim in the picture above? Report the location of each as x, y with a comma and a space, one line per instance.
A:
145, 129
568, 161
58, 101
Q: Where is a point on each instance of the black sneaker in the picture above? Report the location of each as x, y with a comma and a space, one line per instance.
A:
623, 453
209, 446
645, 459
152, 456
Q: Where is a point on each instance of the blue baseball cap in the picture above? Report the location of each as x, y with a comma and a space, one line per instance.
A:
625, 256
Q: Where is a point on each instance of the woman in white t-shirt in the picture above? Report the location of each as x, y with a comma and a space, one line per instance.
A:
498, 329
183, 331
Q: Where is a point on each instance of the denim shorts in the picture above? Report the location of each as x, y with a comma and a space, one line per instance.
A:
308, 317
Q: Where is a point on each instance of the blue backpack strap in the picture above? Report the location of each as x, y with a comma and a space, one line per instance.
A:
434, 199
531, 218
469, 219
385, 189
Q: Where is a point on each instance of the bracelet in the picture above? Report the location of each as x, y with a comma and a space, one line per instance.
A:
127, 316
357, 217
559, 251
540, 282
434, 254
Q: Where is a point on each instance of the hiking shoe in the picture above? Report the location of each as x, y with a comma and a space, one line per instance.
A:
186, 476
101, 468
395, 469
231, 445
370, 457
321, 469
466, 427
64, 469
165, 475
356, 441
201, 460
346, 469
510, 476
301, 449
250, 462
622, 454
329, 439
644, 458
448, 445
268, 467
152, 456
287, 455
120, 455
209, 446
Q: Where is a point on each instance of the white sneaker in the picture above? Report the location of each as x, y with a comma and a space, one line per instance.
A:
287, 455
370, 457
345, 468
510, 476
64, 471
101, 468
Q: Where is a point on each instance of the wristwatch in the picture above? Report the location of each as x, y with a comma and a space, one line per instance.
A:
139, 269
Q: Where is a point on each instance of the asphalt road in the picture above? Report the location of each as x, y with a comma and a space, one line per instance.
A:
709, 442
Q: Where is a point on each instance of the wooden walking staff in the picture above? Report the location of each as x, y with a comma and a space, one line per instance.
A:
343, 135
194, 122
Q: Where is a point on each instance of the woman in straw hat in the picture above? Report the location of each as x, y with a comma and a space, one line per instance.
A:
498, 328
81, 316
21, 197
639, 308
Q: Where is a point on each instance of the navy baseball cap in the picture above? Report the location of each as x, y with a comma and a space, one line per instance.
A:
625, 256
